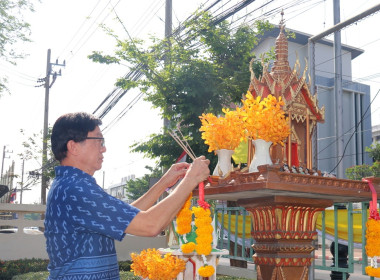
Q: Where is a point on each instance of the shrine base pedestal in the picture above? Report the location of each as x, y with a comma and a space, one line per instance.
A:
284, 232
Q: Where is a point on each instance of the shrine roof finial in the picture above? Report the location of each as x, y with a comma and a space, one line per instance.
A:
282, 21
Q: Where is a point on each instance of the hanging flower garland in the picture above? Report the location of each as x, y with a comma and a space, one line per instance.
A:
373, 234
184, 218
204, 238
203, 223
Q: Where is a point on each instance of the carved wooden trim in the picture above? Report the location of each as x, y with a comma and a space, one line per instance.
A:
325, 181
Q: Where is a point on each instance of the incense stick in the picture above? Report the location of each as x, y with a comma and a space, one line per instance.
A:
184, 140
183, 146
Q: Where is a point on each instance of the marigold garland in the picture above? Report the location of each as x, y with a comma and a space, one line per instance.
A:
184, 217
373, 238
372, 246
150, 264
204, 230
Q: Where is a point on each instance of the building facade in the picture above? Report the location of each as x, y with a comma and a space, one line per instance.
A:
119, 190
376, 134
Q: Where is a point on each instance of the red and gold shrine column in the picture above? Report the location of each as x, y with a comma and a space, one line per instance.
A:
284, 229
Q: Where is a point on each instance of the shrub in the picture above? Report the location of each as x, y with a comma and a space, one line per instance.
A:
124, 265
8, 269
358, 172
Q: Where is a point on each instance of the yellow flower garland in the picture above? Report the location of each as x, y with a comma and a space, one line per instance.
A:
204, 232
184, 217
373, 244
204, 237
373, 238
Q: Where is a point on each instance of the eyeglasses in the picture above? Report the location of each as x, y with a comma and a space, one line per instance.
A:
102, 142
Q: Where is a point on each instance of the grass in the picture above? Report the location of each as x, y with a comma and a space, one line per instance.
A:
123, 276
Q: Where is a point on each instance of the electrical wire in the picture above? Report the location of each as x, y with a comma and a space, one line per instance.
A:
79, 29
228, 11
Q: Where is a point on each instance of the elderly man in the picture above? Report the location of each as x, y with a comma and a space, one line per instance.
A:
82, 221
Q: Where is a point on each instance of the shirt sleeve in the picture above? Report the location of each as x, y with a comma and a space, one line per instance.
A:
95, 210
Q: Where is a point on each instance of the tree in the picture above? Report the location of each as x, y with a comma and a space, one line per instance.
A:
13, 29
201, 70
358, 172
374, 151
137, 187
33, 151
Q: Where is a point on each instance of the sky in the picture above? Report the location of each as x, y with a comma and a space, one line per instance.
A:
70, 29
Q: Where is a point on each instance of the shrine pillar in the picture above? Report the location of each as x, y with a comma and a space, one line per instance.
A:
284, 229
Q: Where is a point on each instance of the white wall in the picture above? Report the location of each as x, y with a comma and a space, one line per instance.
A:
21, 245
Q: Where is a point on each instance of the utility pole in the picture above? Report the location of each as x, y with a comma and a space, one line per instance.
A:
313, 40
22, 180
338, 92
5, 151
168, 34
47, 86
2, 164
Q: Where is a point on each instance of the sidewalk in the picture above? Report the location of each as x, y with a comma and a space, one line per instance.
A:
224, 268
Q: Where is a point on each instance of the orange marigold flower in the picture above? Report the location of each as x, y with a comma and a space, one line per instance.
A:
371, 271
151, 264
206, 271
188, 247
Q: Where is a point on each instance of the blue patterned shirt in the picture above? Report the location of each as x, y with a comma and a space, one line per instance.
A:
81, 223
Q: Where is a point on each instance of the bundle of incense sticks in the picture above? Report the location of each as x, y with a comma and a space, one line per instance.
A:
181, 141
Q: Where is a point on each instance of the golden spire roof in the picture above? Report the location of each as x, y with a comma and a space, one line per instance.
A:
281, 68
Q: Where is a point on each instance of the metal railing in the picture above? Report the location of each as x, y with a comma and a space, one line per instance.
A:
232, 237
237, 242
348, 241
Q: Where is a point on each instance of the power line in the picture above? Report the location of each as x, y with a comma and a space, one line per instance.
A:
79, 28
235, 8
135, 73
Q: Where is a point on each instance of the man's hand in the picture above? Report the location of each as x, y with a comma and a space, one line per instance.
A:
176, 171
199, 170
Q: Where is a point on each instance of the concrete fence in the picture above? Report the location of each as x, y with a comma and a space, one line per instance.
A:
21, 235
